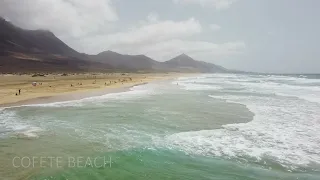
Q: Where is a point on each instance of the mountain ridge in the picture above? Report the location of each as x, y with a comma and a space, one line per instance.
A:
126, 62
40, 50
183, 61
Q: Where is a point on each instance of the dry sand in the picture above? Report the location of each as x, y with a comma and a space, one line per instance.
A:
56, 87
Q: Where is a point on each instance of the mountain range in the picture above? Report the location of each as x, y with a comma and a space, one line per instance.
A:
41, 51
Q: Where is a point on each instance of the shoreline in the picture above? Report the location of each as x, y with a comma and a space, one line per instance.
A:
87, 93
69, 96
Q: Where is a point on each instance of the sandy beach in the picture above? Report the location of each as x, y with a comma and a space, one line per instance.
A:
61, 87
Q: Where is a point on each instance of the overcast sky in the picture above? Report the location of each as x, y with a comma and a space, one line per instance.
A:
253, 35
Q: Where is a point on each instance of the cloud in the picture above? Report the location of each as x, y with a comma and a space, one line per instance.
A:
158, 31
217, 4
214, 27
85, 26
74, 18
152, 17
163, 40
145, 34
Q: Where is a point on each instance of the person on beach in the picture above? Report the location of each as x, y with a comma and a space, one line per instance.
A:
19, 91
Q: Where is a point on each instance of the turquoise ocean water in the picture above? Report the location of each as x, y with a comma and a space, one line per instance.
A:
212, 126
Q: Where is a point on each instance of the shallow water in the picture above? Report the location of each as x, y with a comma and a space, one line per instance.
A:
215, 126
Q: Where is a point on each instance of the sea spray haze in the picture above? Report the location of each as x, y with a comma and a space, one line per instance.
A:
213, 126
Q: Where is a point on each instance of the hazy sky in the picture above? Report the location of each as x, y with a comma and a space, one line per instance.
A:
253, 35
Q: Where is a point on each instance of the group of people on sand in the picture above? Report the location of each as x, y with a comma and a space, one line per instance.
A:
19, 92
77, 84
95, 81
119, 80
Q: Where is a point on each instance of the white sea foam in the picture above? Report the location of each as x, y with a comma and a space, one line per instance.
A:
194, 87
29, 133
196, 83
134, 92
284, 130
306, 89
10, 123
